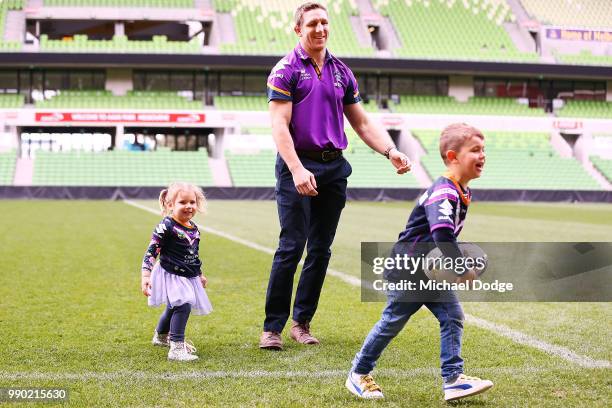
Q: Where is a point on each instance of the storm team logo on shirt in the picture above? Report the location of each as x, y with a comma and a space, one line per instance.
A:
161, 228
446, 209
280, 65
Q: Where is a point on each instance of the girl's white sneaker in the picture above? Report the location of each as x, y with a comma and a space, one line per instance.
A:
161, 340
181, 351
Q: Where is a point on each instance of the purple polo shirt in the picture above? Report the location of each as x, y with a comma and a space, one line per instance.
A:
317, 119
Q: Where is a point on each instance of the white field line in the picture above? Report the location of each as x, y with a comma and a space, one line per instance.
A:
499, 329
205, 374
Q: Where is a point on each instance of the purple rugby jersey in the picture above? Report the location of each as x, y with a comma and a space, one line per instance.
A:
443, 205
317, 119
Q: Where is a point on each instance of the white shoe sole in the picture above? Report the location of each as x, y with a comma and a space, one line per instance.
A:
353, 389
183, 359
455, 395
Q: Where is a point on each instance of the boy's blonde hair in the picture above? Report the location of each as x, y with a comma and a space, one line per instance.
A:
168, 195
454, 136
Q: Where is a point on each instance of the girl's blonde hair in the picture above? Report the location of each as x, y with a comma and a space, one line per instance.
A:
168, 195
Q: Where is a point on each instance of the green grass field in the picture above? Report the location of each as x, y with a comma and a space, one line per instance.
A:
71, 313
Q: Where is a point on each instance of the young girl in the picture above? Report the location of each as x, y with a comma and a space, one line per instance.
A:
176, 280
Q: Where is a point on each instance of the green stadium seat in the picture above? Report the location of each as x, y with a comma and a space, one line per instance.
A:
266, 27
428, 104
457, 30
586, 109
93, 99
7, 167
121, 168
506, 152
584, 13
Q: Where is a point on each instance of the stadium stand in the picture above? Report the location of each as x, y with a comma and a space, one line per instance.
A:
515, 161
120, 44
266, 27
584, 57
604, 166
7, 167
370, 169
8, 101
252, 169
121, 168
105, 99
253, 103
5, 6
586, 109
571, 13
121, 3
260, 103
475, 106
453, 29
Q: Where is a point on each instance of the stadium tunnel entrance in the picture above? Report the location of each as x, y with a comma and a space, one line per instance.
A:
103, 138
172, 138
64, 138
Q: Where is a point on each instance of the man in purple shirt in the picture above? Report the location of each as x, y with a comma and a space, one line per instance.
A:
309, 90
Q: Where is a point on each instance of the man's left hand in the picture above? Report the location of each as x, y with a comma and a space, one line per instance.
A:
400, 161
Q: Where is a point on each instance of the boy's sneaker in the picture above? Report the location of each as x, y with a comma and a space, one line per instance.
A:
161, 340
181, 351
465, 386
363, 386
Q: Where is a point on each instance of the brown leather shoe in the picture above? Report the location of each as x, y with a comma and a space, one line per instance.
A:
270, 341
300, 332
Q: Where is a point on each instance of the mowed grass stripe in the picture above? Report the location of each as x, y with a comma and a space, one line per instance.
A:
514, 335
204, 374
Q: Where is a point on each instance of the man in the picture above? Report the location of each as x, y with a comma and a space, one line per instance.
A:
308, 92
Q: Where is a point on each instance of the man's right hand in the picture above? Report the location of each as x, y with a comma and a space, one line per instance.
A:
304, 181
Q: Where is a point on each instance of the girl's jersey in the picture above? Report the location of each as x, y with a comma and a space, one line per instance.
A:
443, 205
177, 247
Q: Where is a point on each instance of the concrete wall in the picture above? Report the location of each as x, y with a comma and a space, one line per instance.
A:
119, 80
461, 87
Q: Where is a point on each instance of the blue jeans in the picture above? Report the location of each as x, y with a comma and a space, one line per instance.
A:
394, 318
305, 222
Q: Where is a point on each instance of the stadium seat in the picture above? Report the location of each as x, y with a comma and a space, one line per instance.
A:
475, 106
450, 29
5, 6
121, 3
586, 109
9, 101
121, 168
252, 169
7, 167
120, 44
266, 27
244, 103
515, 160
105, 99
571, 13
372, 170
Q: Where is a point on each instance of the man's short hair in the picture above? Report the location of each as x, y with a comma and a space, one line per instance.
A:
456, 135
299, 13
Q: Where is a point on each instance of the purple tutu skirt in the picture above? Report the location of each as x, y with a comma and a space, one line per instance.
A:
174, 290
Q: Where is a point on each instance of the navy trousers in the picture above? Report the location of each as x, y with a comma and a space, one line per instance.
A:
306, 222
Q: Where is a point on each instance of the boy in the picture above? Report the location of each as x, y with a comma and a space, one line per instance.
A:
437, 218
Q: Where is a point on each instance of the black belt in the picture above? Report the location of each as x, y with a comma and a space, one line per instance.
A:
323, 156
